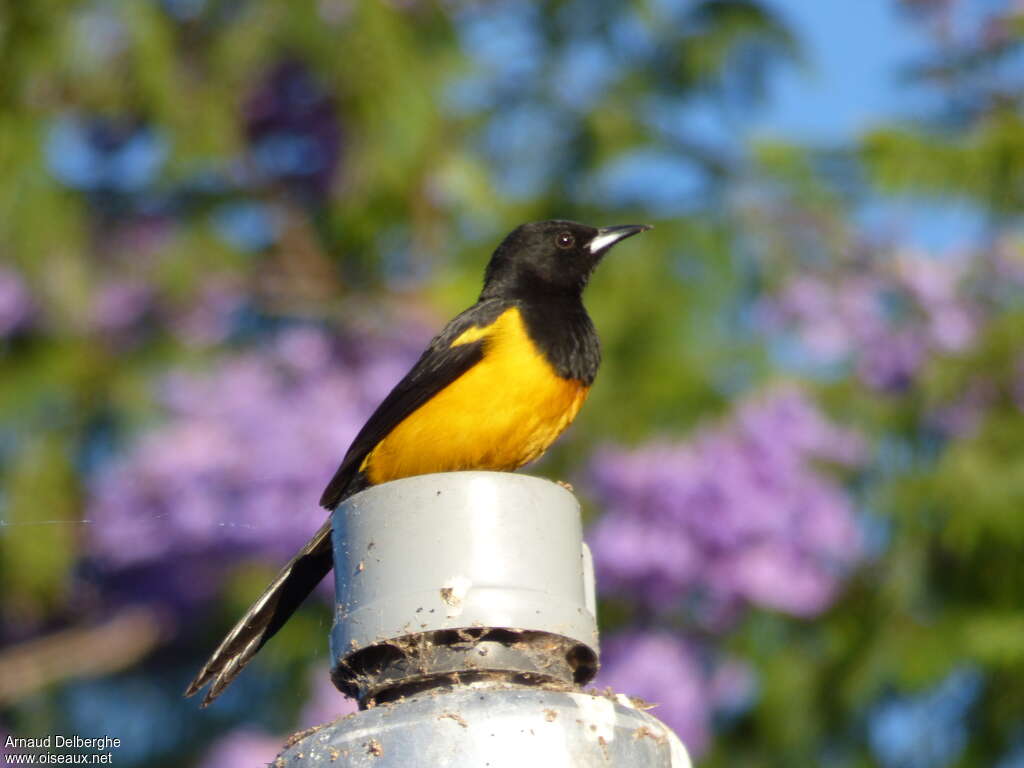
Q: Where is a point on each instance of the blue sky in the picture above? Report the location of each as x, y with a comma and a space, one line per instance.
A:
855, 53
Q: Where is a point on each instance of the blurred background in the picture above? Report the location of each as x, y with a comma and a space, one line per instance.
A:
228, 226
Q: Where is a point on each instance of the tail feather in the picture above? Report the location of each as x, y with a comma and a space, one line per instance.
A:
267, 615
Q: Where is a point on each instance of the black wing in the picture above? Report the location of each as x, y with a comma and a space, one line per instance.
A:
438, 366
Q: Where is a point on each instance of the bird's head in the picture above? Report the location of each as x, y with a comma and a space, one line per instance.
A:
550, 258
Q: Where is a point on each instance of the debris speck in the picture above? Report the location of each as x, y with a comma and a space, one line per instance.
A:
644, 732
374, 748
567, 486
550, 715
454, 716
453, 594
361, 567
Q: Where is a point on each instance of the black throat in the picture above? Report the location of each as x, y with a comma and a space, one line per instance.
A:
563, 332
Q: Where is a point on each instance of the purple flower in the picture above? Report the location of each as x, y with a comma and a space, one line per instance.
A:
809, 301
120, 304
661, 669
16, 304
890, 363
243, 454
931, 280
739, 515
243, 748
666, 670
961, 417
1008, 263
732, 687
937, 286
210, 319
884, 319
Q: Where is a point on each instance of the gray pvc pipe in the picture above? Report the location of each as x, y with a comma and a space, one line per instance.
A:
509, 728
460, 550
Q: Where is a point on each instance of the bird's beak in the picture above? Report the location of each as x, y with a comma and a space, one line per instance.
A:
606, 237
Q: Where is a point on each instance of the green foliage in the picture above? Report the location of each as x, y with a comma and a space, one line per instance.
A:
37, 547
983, 166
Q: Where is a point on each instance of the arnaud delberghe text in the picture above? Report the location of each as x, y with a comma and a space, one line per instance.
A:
56, 741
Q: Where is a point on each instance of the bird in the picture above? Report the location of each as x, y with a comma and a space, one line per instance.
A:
492, 391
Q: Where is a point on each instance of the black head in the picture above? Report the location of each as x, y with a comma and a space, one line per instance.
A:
545, 258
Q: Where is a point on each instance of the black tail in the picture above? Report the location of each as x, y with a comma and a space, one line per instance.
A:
273, 608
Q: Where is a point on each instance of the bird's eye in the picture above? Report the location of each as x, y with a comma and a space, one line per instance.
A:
565, 240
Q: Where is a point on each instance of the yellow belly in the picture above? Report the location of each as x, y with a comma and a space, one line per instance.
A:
502, 413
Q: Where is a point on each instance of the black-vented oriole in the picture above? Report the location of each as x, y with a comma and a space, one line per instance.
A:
492, 391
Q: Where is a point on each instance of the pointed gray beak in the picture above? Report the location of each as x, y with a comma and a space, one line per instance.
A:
606, 237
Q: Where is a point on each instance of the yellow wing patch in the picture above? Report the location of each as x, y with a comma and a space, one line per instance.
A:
477, 332
500, 414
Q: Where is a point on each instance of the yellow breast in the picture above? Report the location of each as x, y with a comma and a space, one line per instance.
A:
502, 413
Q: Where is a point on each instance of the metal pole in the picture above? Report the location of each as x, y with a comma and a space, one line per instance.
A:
465, 626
